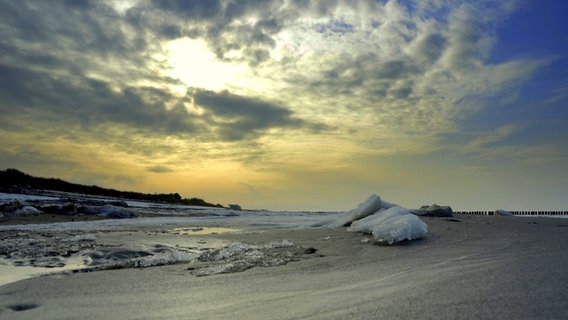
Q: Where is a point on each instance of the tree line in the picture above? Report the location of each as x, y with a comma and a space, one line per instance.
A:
13, 180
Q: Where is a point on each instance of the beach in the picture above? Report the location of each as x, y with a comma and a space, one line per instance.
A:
467, 267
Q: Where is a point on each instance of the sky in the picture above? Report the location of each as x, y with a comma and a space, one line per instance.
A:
292, 104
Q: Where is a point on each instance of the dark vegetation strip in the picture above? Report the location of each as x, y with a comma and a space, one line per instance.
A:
15, 181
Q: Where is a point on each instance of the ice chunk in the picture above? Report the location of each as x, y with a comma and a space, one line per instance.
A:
386, 205
131, 257
501, 212
110, 211
279, 244
231, 267
27, 211
164, 258
83, 237
391, 225
238, 257
386, 221
15, 208
232, 250
433, 211
370, 206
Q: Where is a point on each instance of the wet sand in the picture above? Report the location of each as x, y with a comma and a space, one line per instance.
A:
470, 267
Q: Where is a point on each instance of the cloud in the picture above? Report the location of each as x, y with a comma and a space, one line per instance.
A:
491, 138
189, 9
236, 31
468, 42
251, 189
239, 117
376, 76
91, 102
146, 110
99, 67
93, 39
420, 69
159, 169
557, 95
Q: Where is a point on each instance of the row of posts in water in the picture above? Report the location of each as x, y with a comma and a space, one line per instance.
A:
517, 213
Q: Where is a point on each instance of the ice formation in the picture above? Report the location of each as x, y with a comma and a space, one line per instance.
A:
371, 205
433, 211
391, 225
26, 211
125, 257
110, 211
387, 222
501, 212
238, 257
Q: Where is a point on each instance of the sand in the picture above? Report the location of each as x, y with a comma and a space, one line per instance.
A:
470, 267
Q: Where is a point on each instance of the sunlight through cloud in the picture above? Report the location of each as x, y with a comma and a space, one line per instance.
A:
195, 65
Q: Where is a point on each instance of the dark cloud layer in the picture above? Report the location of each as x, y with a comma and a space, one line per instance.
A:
144, 109
242, 117
222, 24
190, 9
56, 25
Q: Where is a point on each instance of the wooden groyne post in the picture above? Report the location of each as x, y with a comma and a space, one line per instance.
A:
518, 213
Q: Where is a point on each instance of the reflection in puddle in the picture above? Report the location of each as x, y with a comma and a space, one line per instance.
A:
10, 273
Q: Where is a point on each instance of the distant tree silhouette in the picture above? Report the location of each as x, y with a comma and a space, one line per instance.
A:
13, 180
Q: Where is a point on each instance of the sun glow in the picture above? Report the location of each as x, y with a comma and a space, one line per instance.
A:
195, 65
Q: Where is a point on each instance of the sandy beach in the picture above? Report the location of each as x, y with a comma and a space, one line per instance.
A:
467, 267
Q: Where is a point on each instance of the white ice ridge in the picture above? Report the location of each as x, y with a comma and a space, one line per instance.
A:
370, 206
387, 222
391, 225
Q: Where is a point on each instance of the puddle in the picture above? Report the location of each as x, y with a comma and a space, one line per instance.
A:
10, 273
